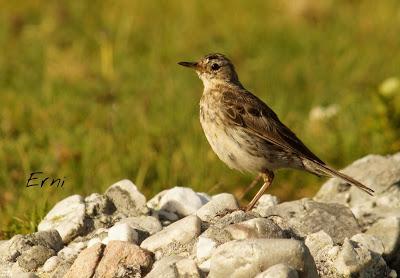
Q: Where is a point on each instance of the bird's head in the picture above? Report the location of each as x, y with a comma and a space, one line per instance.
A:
213, 68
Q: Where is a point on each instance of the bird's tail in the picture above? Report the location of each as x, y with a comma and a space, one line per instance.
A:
319, 168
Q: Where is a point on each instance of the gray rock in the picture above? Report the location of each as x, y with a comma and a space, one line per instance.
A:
266, 201
388, 231
356, 260
97, 204
35, 257
304, 217
174, 267
175, 238
148, 224
67, 217
247, 258
181, 200
278, 271
381, 173
218, 204
255, 228
127, 198
13, 248
370, 242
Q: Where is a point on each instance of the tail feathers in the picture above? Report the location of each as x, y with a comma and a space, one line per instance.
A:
333, 173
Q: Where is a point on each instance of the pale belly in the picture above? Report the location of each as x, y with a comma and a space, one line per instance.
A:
231, 148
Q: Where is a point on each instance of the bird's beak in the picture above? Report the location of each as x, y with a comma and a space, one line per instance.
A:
192, 65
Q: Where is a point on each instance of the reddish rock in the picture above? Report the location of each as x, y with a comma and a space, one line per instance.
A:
86, 263
124, 259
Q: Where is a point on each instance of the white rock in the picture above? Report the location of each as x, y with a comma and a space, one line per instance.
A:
278, 271
218, 204
67, 217
93, 241
183, 231
247, 258
105, 240
51, 264
181, 200
370, 242
204, 248
123, 232
266, 201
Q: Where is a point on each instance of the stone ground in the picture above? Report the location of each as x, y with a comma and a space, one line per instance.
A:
341, 232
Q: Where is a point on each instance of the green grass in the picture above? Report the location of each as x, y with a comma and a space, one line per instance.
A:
91, 91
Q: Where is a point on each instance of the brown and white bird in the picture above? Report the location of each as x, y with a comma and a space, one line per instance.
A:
245, 133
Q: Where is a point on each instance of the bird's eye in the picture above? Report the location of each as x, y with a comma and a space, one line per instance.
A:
215, 66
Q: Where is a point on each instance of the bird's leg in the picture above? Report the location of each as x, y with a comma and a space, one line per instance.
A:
252, 184
268, 177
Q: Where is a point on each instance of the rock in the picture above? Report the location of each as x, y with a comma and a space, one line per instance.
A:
61, 269
375, 171
35, 257
85, 264
181, 200
97, 204
204, 249
5, 269
123, 232
370, 242
266, 201
247, 258
278, 271
19, 274
218, 234
388, 231
70, 252
255, 228
50, 264
165, 267
353, 260
218, 204
187, 268
93, 241
175, 238
13, 248
174, 267
124, 259
304, 217
127, 198
317, 242
147, 224
67, 217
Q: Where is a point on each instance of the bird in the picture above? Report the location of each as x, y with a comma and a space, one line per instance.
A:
246, 134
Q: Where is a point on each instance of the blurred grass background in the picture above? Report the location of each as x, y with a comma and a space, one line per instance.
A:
91, 91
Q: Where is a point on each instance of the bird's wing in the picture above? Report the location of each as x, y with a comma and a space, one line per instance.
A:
248, 111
